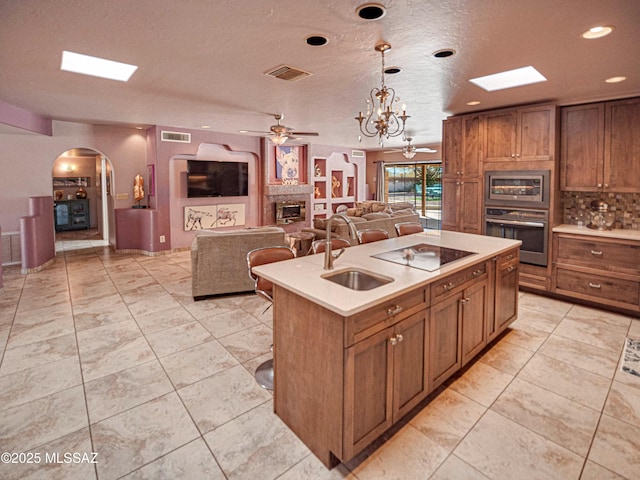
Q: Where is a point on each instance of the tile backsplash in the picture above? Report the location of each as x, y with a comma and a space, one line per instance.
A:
625, 205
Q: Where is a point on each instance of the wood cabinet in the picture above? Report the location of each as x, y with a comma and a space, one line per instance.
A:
335, 183
71, 214
459, 312
599, 143
505, 306
601, 270
462, 167
520, 134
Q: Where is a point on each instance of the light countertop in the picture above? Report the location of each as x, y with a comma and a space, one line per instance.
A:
304, 275
615, 233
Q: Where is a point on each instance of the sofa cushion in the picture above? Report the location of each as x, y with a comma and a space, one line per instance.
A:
375, 216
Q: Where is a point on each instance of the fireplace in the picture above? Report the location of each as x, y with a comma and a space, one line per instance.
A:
290, 212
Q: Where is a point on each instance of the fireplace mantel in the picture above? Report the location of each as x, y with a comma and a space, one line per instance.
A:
271, 190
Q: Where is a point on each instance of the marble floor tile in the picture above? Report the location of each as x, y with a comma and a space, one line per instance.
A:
97, 305
122, 356
544, 304
175, 339
482, 383
115, 393
623, 403
156, 303
455, 469
613, 321
40, 381
593, 471
230, 322
557, 418
408, 454
542, 320
249, 343
26, 332
196, 363
75, 442
107, 335
448, 418
502, 449
43, 300
206, 308
156, 321
255, 445
506, 357
634, 328
88, 320
222, 397
26, 426
192, 461
588, 357
310, 468
38, 353
34, 316
592, 333
140, 435
524, 337
567, 380
616, 447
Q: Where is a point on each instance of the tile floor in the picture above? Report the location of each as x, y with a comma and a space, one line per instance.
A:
108, 353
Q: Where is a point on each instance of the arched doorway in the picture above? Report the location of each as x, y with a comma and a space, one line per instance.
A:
82, 180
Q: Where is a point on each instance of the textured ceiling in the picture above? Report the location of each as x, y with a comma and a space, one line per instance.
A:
204, 62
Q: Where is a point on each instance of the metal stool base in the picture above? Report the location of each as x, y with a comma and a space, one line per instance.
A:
264, 375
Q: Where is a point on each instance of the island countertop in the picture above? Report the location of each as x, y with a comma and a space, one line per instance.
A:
303, 275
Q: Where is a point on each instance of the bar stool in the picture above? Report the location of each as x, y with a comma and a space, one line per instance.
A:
264, 288
319, 246
407, 228
372, 235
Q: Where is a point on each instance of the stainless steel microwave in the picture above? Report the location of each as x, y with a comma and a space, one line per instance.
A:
517, 188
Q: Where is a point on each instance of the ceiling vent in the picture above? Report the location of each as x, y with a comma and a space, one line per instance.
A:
178, 137
290, 74
357, 153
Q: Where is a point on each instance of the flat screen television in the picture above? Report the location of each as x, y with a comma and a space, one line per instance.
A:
206, 178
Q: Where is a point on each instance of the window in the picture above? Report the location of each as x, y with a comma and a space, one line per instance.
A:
419, 184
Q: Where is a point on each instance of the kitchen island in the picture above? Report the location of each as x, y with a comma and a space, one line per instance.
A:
351, 363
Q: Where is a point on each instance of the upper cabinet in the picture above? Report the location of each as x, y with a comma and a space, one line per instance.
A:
520, 134
599, 143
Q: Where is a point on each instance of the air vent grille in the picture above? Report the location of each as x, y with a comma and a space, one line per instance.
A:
290, 74
178, 137
357, 153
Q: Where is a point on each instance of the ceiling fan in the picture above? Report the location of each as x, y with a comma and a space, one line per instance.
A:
279, 133
409, 151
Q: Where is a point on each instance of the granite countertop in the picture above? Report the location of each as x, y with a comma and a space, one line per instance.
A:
616, 233
304, 275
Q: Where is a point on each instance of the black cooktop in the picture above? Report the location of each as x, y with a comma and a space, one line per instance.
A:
423, 256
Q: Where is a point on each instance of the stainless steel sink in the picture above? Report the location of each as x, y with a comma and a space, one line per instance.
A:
357, 279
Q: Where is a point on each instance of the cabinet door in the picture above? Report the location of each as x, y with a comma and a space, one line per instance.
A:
410, 363
368, 393
450, 203
500, 136
452, 146
444, 354
475, 312
62, 216
470, 205
471, 159
622, 146
582, 143
536, 133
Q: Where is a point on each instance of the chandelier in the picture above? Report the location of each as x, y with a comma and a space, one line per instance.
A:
381, 120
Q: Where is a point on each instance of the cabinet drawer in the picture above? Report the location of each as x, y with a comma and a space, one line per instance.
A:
599, 286
370, 321
454, 283
595, 254
508, 259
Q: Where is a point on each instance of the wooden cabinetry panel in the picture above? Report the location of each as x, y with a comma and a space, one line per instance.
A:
597, 254
622, 146
475, 305
594, 285
444, 354
500, 135
454, 283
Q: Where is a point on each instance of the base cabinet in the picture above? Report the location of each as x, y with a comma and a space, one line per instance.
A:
505, 306
341, 382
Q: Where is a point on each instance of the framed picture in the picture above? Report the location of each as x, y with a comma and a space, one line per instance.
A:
151, 180
58, 194
287, 165
199, 217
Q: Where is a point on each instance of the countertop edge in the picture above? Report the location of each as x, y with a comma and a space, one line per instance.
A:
617, 233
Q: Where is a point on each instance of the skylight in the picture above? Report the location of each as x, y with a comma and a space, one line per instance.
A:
509, 79
97, 67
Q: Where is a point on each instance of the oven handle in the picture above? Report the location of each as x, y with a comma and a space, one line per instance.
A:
515, 222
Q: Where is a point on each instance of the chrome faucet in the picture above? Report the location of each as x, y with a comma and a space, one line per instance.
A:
329, 256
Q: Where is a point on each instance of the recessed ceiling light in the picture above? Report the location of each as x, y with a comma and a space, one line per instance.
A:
473, 103
615, 79
392, 70
597, 32
96, 67
205, 126
509, 79
316, 40
243, 131
371, 11
444, 53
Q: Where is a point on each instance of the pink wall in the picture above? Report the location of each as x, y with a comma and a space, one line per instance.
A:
24, 119
37, 239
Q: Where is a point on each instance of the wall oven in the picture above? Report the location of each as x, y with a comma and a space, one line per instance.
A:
511, 188
529, 226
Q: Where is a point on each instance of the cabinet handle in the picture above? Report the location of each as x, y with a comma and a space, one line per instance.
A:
400, 338
606, 185
511, 268
513, 155
599, 185
393, 340
464, 301
391, 311
477, 273
594, 285
448, 286
596, 252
